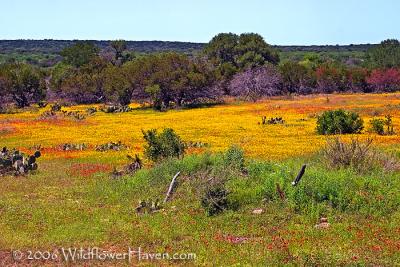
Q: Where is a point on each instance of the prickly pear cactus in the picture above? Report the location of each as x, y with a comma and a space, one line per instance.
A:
116, 109
17, 163
116, 146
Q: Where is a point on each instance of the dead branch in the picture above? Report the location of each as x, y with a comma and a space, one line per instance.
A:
171, 187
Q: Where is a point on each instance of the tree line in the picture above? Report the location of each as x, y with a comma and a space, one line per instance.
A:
243, 66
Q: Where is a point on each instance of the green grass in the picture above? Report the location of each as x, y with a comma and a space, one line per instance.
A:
52, 208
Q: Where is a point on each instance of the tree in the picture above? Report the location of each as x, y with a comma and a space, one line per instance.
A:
230, 53
384, 80
23, 82
295, 77
221, 48
170, 78
253, 51
255, 83
80, 53
311, 61
119, 47
116, 85
331, 78
357, 79
384, 55
3, 89
82, 85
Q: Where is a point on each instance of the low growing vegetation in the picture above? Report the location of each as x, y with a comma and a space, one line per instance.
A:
164, 145
339, 122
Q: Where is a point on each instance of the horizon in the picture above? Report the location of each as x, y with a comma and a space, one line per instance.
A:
109, 40
284, 23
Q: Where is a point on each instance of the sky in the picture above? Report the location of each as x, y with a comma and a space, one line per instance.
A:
280, 22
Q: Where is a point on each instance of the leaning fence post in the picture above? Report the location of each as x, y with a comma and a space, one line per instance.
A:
301, 173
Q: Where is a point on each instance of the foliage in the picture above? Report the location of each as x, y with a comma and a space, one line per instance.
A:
116, 109
234, 158
339, 122
80, 53
385, 55
23, 82
378, 125
331, 78
230, 52
295, 77
385, 80
215, 200
116, 85
360, 156
253, 84
166, 144
82, 85
357, 79
171, 78
119, 46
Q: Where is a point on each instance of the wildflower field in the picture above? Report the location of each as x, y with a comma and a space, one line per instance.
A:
219, 126
71, 200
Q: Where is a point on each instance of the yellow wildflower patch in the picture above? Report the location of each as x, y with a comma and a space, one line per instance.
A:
219, 126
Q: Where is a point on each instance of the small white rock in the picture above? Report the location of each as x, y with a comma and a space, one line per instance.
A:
258, 211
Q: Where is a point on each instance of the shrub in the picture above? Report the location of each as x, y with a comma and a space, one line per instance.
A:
377, 126
330, 78
387, 80
167, 144
339, 122
234, 158
360, 156
215, 200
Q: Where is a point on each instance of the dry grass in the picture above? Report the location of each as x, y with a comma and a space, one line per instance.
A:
359, 155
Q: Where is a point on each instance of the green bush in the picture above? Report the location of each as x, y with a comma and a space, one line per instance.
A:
161, 146
377, 126
234, 158
339, 122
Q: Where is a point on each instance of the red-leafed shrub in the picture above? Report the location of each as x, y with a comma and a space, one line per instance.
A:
387, 80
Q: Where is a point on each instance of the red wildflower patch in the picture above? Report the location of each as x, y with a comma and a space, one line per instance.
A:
231, 238
88, 169
6, 129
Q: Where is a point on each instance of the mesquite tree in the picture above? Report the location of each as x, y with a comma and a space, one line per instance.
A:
24, 83
256, 82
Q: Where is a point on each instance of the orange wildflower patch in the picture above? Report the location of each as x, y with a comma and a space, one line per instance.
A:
88, 169
6, 130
